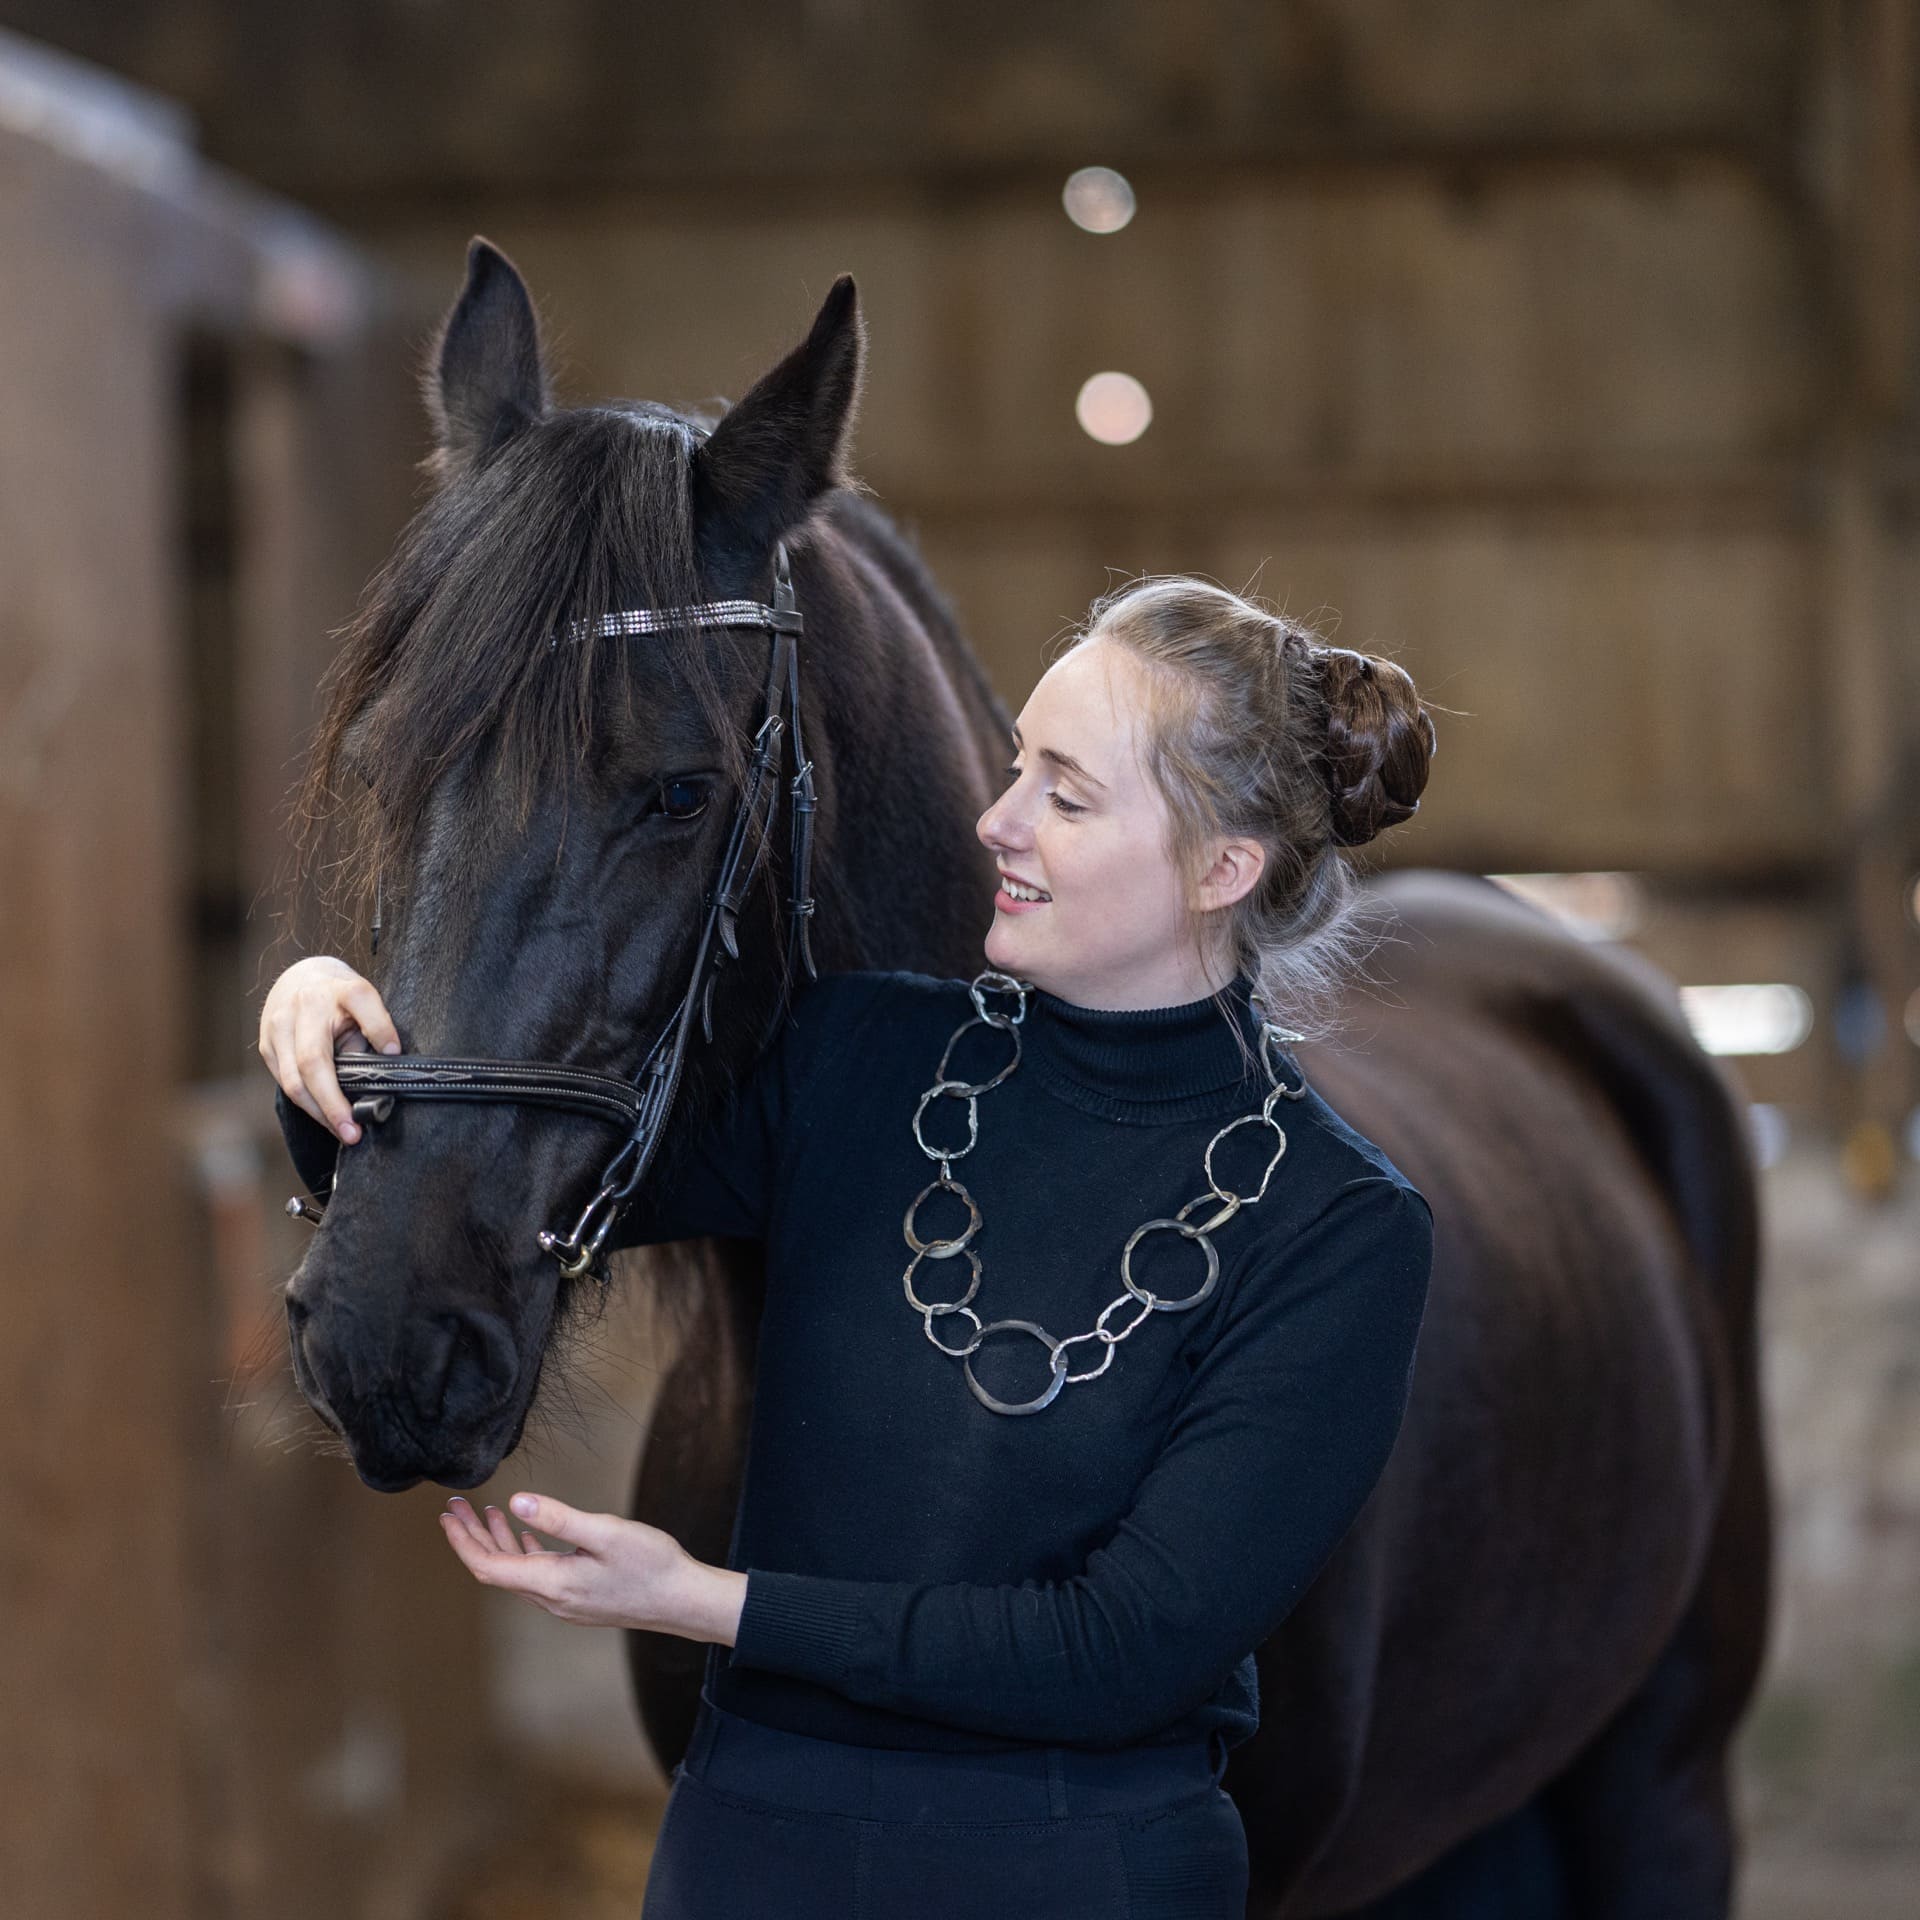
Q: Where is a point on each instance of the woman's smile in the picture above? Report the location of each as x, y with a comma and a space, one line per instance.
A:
1014, 896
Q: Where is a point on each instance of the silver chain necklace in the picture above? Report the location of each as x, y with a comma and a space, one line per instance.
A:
992, 979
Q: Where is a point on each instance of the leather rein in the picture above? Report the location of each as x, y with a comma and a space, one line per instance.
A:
641, 1107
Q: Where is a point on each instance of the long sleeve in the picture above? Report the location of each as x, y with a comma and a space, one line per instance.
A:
1279, 1439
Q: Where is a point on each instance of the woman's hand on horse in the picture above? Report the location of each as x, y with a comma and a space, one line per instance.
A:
318, 1003
615, 1572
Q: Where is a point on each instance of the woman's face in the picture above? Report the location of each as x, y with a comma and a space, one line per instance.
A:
1081, 821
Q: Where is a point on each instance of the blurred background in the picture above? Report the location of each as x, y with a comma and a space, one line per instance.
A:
1567, 354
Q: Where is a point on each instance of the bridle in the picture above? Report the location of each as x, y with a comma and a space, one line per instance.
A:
642, 1107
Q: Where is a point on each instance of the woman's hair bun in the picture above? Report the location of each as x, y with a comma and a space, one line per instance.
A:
1380, 741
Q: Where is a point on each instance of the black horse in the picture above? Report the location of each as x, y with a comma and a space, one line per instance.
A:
1525, 1662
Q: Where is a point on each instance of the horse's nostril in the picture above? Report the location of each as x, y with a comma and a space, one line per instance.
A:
462, 1365
432, 1355
297, 1311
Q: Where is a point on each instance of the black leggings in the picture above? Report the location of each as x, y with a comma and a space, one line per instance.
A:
764, 1822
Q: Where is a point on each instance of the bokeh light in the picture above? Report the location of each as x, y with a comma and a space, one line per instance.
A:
1098, 199
1762, 1017
1609, 905
1113, 408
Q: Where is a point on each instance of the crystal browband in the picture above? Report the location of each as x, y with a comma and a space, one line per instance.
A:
715, 613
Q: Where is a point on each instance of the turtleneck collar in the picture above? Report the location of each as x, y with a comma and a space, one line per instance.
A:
1149, 1065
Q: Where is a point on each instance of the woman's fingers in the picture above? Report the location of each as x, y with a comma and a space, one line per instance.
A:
313, 1057
617, 1572
295, 1088
462, 1512
495, 1531
362, 999
320, 1007
532, 1574
571, 1524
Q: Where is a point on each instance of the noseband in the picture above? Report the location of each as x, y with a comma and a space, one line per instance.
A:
641, 1108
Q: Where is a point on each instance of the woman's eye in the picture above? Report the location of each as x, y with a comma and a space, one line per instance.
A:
682, 799
1068, 807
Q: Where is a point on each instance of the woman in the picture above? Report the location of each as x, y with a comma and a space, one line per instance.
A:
961, 1658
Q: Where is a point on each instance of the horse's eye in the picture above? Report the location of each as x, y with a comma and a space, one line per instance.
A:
682, 799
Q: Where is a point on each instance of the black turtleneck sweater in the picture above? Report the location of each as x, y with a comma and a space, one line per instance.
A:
926, 1572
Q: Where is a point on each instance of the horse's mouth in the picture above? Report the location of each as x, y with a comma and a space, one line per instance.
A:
400, 1458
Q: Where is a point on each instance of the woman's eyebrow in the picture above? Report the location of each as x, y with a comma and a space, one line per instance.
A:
1065, 761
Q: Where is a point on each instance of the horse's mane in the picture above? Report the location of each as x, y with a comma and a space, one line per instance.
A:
583, 512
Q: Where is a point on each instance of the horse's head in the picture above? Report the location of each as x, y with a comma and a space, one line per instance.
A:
541, 817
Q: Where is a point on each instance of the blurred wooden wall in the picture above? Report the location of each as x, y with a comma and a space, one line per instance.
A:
229, 1686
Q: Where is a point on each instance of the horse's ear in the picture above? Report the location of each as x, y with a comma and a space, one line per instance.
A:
791, 437
485, 379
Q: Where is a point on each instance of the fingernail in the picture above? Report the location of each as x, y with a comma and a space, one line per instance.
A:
392, 1046
349, 1132
524, 1504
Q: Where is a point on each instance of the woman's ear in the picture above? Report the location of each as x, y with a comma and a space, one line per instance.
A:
1234, 872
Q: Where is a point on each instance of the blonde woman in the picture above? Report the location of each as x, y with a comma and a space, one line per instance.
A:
1013, 1525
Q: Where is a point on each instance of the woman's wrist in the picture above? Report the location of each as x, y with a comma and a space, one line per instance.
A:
703, 1603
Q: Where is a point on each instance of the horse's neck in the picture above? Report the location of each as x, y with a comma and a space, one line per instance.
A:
916, 733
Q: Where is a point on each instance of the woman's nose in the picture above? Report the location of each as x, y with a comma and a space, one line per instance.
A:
999, 826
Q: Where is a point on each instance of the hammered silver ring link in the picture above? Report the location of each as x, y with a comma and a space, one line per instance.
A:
1225, 1203
942, 1249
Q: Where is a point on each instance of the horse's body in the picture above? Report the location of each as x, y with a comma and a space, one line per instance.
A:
1551, 1614
1557, 1599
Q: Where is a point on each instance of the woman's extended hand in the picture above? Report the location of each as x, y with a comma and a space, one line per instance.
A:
317, 1002
617, 1573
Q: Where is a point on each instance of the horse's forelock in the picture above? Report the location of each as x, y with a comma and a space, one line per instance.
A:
449, 652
